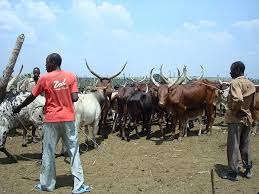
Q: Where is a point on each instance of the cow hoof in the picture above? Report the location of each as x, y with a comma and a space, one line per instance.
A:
128, 139
122, 138
13, 158
179, 139
148, 137
24, 145
137, 137
34, 140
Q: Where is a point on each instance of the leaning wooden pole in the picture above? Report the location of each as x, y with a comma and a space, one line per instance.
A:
10, 66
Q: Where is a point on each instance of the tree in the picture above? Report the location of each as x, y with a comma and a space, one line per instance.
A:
10, 66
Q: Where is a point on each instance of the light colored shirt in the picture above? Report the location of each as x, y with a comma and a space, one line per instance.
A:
241, 100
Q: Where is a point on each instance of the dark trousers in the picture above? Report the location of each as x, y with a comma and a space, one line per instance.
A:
238, 140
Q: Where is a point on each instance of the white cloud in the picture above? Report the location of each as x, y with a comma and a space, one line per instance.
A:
104, 15
220, 37
62, 38
201, 24
37, 10
24, 16
247, 24
10, 21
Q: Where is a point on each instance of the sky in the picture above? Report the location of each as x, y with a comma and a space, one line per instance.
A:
144, 33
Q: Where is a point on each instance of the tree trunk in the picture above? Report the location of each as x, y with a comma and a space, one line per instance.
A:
10, 66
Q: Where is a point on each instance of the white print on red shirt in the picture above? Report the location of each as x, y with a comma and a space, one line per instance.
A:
60, 85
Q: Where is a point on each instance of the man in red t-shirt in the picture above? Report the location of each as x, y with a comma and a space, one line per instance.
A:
61, 91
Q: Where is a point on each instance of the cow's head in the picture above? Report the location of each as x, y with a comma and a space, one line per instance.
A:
224, 90
105, 81
139, 85
160, 90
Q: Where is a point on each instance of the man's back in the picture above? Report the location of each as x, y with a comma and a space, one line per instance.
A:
241, 97
57, 86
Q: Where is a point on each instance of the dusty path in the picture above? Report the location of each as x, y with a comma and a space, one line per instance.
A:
138, 166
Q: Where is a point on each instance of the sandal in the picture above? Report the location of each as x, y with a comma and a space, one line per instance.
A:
83, 189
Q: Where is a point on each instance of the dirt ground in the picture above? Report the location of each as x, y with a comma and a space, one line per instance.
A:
138, 166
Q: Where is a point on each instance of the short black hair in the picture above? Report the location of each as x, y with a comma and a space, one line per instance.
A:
239, 65
36, 68
54, 58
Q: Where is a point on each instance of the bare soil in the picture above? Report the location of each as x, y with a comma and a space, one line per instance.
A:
138, 166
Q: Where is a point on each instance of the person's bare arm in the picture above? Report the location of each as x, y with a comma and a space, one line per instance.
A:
27, 101
74, 96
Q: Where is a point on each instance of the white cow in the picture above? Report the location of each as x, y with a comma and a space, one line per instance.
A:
88, 112
31, 115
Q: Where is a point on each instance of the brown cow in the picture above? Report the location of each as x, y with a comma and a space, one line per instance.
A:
160, 93
188, 99
106, 101
191, 97
124, 93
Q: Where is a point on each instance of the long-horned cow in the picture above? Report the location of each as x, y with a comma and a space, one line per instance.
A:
187, 99
105, 102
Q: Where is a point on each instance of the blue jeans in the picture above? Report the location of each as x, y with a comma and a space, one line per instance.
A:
52, 133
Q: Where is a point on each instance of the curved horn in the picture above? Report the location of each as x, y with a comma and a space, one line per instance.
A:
118, 72
124, 85
179, 73
219, 80
152, 78
182, 77
202, 72
139, 81
91, 71
163, 77
147, 88
186, 76
11, 82
133, 79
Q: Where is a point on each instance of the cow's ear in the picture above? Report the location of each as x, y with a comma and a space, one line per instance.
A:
224, 86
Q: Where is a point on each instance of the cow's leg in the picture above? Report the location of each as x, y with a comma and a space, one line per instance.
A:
200, 125
182, 126
180, 130
125, 132
115, 118
33, 133
135, 125
24, 136
8, 154
104, 129
95, 128
174, 120
185, 128
210, 119
149, 123
160, 124
86, 130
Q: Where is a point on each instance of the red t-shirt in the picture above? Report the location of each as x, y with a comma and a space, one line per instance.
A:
57, 86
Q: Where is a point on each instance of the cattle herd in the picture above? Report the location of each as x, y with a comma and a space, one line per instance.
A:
176, 101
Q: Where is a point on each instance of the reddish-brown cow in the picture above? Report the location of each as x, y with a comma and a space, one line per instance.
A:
190, 97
